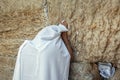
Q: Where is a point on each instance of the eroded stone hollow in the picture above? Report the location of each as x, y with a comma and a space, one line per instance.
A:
94, 32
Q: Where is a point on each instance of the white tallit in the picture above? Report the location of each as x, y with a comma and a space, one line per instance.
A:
43, 58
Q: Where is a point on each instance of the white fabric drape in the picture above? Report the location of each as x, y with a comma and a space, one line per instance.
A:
43, 58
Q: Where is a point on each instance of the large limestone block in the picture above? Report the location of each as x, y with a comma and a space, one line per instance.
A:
94, 27
13, 5
21, 16
22, 24
9, 47
6, 73
84, 71
80, 71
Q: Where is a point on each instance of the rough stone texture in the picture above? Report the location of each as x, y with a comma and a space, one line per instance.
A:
14, 5
94, 27
81, 71
117, 75
84, 71
94, 32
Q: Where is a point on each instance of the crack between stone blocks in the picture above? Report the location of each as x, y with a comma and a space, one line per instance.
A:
46, 11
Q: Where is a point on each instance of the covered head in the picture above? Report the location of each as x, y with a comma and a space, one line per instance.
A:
48, 33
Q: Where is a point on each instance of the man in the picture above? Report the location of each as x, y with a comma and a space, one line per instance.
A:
46, 57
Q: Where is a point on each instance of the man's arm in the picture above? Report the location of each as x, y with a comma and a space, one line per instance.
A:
64, 36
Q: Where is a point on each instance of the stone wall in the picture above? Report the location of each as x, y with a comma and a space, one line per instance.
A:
94, 32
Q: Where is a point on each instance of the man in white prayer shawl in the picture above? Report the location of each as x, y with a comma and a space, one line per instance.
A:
46, 57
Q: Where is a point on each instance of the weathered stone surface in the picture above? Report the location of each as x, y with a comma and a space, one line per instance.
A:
6, 73
81, 71
94, 27
13, 5
9, 47
22, 24
95, 72
94, 32
117, 75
